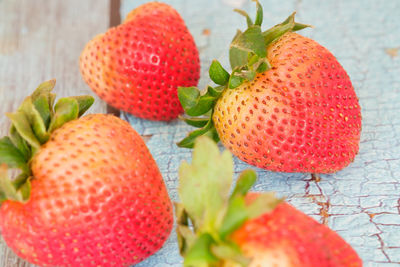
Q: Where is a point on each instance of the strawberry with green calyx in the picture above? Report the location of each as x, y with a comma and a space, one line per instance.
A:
246, 229
89, 192
32, 125
138, 65
288, 105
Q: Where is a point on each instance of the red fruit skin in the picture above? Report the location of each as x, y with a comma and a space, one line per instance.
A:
300, 116
97, 199
288, 237
138, 65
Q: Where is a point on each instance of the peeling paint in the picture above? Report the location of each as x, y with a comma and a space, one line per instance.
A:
392, 52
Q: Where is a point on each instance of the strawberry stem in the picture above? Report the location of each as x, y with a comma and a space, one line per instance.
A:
32, 125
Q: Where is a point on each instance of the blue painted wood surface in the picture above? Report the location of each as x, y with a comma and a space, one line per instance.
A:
41, 40
361, 202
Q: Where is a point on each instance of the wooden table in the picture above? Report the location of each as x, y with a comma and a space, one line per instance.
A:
42, 39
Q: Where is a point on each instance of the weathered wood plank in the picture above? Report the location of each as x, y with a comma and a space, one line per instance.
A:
41, 40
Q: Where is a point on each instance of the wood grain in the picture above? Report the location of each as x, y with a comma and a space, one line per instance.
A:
41, 40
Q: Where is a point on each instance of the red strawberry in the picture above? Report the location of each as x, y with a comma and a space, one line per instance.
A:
287, 106
288, 237
246, 229
137, 66
91, 195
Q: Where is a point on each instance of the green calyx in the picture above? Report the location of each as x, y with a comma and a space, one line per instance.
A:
247, 56
208, 214
31, 126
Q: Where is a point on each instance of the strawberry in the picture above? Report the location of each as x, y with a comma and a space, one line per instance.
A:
138, 65
246, 229
288, 104
89, 192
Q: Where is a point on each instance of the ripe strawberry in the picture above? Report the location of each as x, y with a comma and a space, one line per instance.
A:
138, 65
246, 229
287, 106
286, 235
91, 195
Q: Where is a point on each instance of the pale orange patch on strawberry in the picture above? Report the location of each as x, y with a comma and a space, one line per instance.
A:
273, 257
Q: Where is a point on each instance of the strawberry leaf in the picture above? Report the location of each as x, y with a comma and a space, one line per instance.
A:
300, 26
42, 106
8, 191
24, 189
213, 134
35, 119
44, 88
188, 96
245, 181
249, 21
22, 125
231, 252
218, 74
185, 235
11, 156
264, 203
235, 216
19, 143
262, 65
259, 14
246, 74
237, 57
3, 197
84, 103
199, 254
66, 109
278, 30
52, 99
193, 103
188, 142
239, 211
205, 103
186, 238
250, 41
42, 100
216, 91
235, 80
204, 184
196, 122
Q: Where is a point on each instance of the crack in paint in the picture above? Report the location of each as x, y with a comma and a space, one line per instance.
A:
382, 246
320, 199
146, 137
382, 243
398, 206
